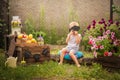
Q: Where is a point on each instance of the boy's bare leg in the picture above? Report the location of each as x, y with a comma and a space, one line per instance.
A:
74, 59
62, 56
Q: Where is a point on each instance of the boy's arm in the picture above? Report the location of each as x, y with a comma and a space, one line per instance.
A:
78, 38
67, 39
68, 36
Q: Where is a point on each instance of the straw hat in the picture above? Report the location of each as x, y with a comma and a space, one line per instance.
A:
73, 24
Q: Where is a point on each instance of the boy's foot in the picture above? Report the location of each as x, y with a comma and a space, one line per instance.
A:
60, 63
78, 65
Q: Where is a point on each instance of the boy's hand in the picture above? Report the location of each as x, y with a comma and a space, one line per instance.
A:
68, 36
71, 32
76, 32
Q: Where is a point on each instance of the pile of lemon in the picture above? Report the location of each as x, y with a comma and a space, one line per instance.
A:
27, 38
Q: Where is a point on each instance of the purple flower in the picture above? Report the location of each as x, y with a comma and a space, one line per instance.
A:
117, 23
101, 29
105, 24
89, 27
118, 28
105, 28
100, 22
93, 23
110, 21
103, 20
109, 24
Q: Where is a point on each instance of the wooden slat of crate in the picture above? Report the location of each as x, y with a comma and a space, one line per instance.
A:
42, 59
36, 48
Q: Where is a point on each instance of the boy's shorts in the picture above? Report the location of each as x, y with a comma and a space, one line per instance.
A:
69, 49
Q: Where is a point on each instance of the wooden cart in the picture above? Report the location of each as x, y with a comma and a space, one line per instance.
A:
42, 52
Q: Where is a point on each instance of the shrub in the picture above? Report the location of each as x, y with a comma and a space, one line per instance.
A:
103, 38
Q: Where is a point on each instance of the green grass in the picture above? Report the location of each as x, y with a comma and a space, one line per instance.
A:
52, 71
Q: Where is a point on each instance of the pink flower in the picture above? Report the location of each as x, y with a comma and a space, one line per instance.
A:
112, 37
99, 37
105, 36
115, 43
113, 33
90, 42
108, 32
104, 33
101, 47
109, 53
96, 47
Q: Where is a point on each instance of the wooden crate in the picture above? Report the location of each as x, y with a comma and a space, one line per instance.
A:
37, 50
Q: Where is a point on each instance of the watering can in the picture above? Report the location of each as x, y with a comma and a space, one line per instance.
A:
11, 62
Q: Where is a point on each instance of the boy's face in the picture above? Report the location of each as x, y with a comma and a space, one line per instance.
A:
74, 32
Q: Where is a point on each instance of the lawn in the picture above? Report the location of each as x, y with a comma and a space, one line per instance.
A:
52, 71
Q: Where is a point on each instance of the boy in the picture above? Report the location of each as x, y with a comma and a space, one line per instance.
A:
73, 40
